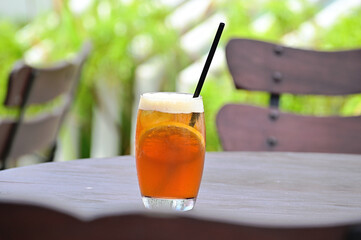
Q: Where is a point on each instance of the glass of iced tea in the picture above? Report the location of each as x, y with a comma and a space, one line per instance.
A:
170, 149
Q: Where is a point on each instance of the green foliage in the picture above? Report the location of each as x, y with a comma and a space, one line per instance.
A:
10, 52
278, 16
344, 34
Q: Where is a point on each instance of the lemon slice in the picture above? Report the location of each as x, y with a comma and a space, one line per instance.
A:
172, 128
171, 142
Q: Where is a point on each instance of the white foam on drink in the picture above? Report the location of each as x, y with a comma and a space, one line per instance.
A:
171, 102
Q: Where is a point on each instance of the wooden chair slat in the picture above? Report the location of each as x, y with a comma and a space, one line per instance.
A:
250, 128
263, 66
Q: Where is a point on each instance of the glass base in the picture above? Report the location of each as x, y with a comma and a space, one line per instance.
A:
169, 204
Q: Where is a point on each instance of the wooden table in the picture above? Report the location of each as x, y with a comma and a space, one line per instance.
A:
289, 189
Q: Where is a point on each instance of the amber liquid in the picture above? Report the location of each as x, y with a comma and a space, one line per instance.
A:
169, 154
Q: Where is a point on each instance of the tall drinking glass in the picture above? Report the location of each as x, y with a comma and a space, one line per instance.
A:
170, 149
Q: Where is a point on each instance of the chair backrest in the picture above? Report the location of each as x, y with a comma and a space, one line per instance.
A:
26, 221
272, 68
31, 85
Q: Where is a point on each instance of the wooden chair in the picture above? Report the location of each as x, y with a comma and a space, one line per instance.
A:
31, 85
272, 68
29, 221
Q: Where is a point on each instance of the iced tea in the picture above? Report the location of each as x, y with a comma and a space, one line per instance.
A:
170, 149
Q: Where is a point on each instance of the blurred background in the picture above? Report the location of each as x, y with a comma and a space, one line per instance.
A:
161, 45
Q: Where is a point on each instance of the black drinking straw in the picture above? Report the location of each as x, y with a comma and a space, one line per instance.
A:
209, 60
205, 69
